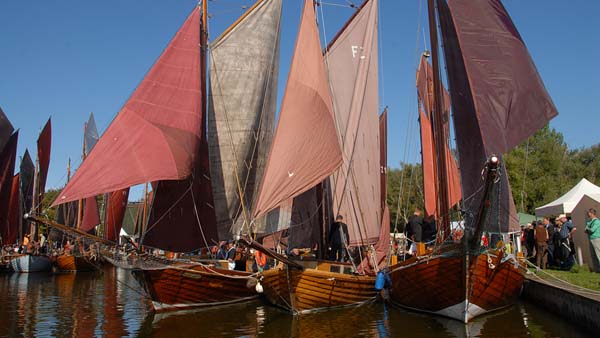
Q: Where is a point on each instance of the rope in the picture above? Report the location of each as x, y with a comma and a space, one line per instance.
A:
580, 289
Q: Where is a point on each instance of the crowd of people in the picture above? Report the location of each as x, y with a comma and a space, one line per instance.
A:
549, 244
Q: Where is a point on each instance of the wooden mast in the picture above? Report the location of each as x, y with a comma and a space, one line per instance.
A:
438, 128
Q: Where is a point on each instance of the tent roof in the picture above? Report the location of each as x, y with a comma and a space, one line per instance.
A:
567, 202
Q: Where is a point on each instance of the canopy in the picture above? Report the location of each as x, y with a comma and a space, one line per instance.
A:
567, 202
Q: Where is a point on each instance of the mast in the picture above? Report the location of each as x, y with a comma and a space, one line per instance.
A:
33, 211
80, 202
438, 127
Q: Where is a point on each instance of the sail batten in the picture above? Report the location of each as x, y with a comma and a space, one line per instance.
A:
156, 134
242, 101
353, 71
305, 148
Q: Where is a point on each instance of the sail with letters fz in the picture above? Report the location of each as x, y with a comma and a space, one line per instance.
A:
156, 134
498, 98
91, 214
352, 59
244, 64
425, 90
305, 148
8, 230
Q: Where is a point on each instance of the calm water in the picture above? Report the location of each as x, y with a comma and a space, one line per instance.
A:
111, 304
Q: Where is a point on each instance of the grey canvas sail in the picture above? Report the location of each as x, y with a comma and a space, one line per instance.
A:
91, 134
498, 98
242, 102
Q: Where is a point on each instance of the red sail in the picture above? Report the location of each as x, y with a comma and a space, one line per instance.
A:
43, 144
382, 247
15, 213
156, 134
428, 164
7, 168
305, 148
116, 205
383, 157
91, 216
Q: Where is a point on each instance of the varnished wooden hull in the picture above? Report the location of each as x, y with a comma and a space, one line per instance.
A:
311, 289
187, 286
74, 263
456, 285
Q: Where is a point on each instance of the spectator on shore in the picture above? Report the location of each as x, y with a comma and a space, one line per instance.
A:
592, 228
530, 239
566, 252
541, 244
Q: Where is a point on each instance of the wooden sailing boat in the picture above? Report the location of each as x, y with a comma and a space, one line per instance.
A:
317, 140
159, 136
30, 262
87, 215
498, 100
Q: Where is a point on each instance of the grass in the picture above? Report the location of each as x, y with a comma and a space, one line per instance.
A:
579, 276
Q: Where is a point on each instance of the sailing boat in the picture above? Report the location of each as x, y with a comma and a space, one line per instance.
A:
159, 136
8, 182
87, 214
31, 262
498, 100
321, 121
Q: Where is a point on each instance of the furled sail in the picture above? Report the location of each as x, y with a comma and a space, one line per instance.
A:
156, 134
7, 168
352, 59
91, 215
498, 98
305, 148
44, 144
425, 93
6, 129
116, 205
244, 65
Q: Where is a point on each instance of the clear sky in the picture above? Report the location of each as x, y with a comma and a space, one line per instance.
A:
68, 58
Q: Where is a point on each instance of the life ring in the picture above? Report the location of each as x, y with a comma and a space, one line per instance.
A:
261, 258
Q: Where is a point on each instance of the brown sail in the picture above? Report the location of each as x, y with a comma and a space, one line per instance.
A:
156, 134
352, 59
6, 129
15, 213
7, 167
44, 143
244, 64
305, 148
116, 205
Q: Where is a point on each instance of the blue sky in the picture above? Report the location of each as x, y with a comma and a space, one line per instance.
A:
71, 57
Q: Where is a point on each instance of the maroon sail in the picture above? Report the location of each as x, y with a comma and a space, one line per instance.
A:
44, 143
91, 216
116, 205
26, 172
7, 168
6, 129
156, 134
305, 148
15, 213
498, 98
182, 218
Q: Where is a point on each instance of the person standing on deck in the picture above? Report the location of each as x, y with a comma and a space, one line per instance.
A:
338, 239
592, 228
415, 224
541, 244
230, 255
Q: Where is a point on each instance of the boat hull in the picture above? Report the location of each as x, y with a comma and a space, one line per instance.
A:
457, 286
313, 289
188, 286
74, 263
31, 263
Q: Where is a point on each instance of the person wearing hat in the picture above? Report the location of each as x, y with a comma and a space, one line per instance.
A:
566, 244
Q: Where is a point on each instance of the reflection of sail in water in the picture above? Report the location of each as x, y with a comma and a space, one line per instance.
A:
112, 323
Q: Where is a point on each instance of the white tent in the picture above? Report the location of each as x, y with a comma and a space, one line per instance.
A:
583, 249
567, 202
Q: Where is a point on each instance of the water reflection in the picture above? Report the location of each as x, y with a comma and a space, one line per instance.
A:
110, 304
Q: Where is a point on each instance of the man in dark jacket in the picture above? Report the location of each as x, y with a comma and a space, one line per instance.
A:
338, 239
